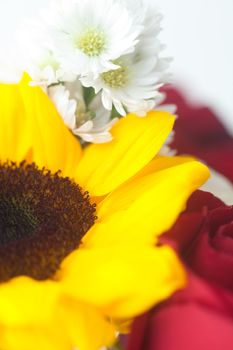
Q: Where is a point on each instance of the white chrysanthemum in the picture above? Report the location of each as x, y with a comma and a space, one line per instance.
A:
44, 68
89, 36
38, 57
92, 123
133, 87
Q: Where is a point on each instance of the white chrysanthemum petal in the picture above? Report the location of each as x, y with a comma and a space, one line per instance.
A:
106, 100
171, 108
84, 128
166, 150
65, 106
119, 107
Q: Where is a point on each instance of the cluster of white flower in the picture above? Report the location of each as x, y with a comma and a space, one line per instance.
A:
97, 60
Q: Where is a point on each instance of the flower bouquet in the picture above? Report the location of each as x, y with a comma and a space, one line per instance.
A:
99, 237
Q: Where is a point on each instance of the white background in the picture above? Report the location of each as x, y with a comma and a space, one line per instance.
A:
198, 34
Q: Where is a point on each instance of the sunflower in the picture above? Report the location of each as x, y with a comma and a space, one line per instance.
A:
79, 227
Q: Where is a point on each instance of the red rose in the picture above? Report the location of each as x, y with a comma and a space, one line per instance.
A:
199, 317
211, 255
199, 132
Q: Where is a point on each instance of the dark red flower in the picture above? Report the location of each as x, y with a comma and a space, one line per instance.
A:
199, 132
211, 254
199, 317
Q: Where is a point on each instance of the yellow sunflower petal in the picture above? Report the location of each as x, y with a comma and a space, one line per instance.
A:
86, 328
53, 146
34, 338
31, 128
119, 230
123, 282
35, 310
14, 140
136, 141
74, 326
164, 162
176, 174
24, 301
147, 206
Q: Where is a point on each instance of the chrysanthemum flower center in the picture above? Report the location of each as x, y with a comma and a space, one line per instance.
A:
91, 42
115, 78
43, 218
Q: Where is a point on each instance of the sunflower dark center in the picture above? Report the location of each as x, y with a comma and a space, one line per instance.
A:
16, 220
43, 217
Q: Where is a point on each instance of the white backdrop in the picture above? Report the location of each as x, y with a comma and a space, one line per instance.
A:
198, 34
